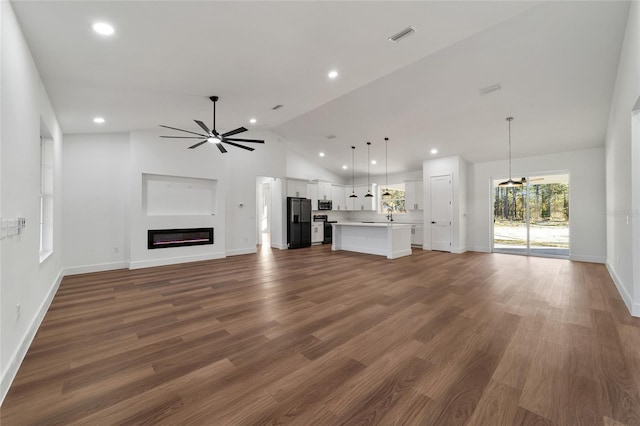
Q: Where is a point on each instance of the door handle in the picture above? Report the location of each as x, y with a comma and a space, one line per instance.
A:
432, 222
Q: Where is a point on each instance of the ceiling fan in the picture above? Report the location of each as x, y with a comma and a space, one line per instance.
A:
213, 136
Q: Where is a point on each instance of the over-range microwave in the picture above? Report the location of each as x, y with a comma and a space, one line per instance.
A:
324, 204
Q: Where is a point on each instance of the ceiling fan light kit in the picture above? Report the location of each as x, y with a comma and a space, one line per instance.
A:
511, 182
212, 136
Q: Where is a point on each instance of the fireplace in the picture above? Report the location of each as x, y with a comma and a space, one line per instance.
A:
163, 238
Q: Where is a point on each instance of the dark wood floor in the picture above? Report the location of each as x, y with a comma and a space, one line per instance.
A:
311, 336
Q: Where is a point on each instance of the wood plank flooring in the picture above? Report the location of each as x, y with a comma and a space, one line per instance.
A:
311, 336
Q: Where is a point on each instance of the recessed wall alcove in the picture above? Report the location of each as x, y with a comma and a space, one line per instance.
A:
164, 195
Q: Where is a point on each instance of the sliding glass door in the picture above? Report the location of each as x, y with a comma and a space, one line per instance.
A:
532, 219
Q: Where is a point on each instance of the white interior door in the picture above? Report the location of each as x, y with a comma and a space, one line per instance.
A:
441, 215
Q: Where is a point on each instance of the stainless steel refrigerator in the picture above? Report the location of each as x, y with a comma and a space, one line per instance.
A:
298, 222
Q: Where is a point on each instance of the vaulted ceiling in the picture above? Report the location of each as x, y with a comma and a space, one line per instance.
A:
555, 63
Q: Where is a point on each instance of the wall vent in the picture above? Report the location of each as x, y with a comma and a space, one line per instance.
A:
489, 89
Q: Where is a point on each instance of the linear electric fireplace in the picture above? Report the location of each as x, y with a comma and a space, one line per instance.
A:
163, 238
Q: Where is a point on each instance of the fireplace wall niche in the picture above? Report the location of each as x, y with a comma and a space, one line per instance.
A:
164, 195
165, 238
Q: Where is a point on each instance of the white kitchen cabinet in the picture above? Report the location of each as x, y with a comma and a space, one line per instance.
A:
361, 203
339, 198
413, 195
317, 232
417, 235
296, 188
324, 191
312, 194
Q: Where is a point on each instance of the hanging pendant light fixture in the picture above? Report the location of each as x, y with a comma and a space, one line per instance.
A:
353, 173
369, 194
510, 182
386, 192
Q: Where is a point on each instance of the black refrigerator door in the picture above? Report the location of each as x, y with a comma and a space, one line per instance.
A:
298, 222
305, 223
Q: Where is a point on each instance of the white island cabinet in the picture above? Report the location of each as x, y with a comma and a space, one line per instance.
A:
392, 240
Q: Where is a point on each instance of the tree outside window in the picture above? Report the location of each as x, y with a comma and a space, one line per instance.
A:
394, 202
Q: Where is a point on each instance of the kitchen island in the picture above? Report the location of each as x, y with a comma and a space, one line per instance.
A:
392, 240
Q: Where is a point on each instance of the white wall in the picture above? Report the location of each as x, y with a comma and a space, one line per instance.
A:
103, 191
586, 168
94, 202
24, 279
151, 154
300, 168
456, 167
622, 157
270, 160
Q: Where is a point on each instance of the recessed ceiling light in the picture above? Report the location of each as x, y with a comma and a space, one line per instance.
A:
98, 120
103, 28
344, 167
374, 162
434, 151
321, 154
333, 74
253, 121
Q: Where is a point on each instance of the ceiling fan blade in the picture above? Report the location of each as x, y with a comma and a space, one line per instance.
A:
184, 137
237, 145
198, 144
203, 126
187, 131
234, 132
221, 148
244, 140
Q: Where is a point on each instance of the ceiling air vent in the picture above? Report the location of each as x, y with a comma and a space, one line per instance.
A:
277, 107
402, 34
331, 136
489, 89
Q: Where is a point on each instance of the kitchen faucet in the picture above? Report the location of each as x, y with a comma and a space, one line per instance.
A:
390, 216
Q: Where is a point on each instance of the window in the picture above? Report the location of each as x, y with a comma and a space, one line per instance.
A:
532, 219
393, 203
46, 197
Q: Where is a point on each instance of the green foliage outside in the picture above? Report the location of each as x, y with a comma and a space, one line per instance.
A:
395, 202
548, 204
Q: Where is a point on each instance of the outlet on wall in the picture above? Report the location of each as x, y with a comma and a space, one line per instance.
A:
18, 312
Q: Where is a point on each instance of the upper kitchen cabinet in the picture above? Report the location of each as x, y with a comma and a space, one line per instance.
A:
312, 194
296, 188
363, 203
413, 195
324, 191
339, 197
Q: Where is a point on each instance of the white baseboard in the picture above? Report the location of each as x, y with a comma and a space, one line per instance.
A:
99, 267
458, 250
480, 249
279, 246
237, 252
587, 258
16, 359
634, 308
174, 260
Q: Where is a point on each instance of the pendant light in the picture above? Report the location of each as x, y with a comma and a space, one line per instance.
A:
510, 182
353, 173
369, 194
386, 192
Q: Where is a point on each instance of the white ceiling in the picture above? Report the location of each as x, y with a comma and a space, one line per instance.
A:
556, 63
